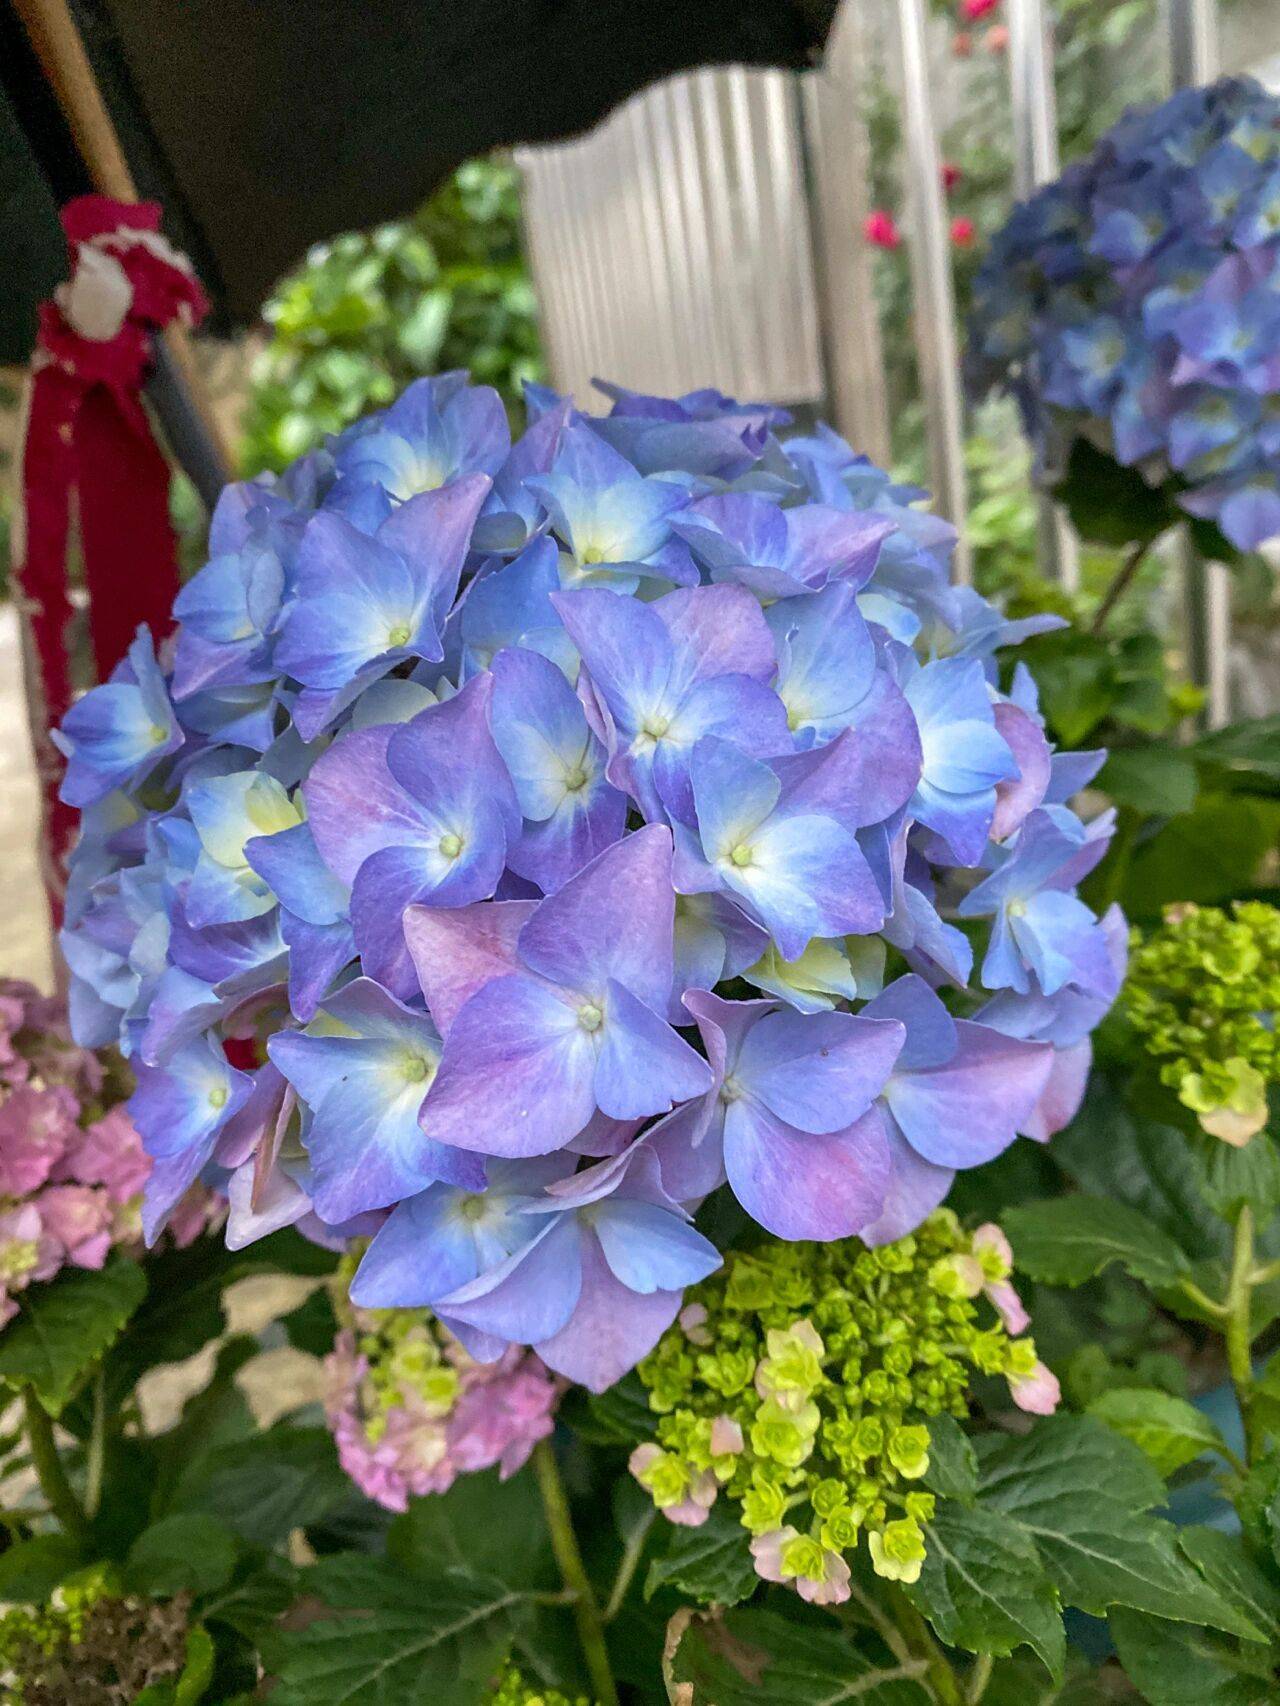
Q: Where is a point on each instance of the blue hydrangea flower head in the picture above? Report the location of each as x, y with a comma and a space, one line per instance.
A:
518, 844
1134, 304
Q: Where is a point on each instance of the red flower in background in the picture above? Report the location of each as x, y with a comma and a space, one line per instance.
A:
962, 45
996, 39
881, 229
972, 10
951, 175
963, 231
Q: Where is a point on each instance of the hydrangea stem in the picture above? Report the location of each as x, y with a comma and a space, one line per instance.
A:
1240, 1322
48, 1467
941, 1678
1119, 584
564, 1543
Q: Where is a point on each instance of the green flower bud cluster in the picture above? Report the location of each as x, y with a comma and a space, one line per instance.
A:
800, 1380
513, 1690
405, 1352
89, 1646
1202, 994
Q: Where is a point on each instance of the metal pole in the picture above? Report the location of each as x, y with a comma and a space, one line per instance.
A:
934, 309
838, 155
1034, 107
1193, 59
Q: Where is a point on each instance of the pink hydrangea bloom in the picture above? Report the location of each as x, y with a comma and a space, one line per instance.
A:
406, 1426
71, 1172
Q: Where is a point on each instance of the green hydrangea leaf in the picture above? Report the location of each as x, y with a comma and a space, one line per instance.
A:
1068, 1240
31, 1569
263, 1488
1110, 504
496, 1528
1236, 1177
748, 1657
1156, 781
1083, 1494
711, 1564
619, 1416
392, 1639
64, 1327
1169, 1430
983, 1587
194, 1553
1227, 1565
953, 1468
1175, 1664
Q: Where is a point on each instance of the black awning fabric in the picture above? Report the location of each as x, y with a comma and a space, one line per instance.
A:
266, 125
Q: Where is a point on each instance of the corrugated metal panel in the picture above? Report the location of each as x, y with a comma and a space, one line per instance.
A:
672, 246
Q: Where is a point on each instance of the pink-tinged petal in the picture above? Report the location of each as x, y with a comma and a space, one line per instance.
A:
516, 1074
797, 1185
853, 778
689, 1146
969, 1109
833, 1589
644, 1066
446, 756
280, 1203
915, 1188
611, 1328
1063, 1092
457, 950
766, 1551
1008, 1306
615, 919
1038, 1393
1016, 799
532, 1293
718, 630
818, 1071
354, 804
392, 880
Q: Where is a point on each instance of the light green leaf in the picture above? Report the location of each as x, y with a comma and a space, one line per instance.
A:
64, 1327
1083, 1494
711, 1564
1175, 1664
748, 1658
1068, 1240
983, 1587
1170, 1431
395, 1639
191, 1552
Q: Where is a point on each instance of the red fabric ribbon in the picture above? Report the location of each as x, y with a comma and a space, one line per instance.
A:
89, 456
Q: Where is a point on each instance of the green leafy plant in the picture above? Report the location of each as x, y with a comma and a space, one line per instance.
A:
369, 312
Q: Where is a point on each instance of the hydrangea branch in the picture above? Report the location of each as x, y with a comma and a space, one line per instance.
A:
50, 1471
1239, 1324
564, 1542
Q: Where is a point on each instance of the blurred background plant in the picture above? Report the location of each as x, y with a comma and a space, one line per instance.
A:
373, 310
